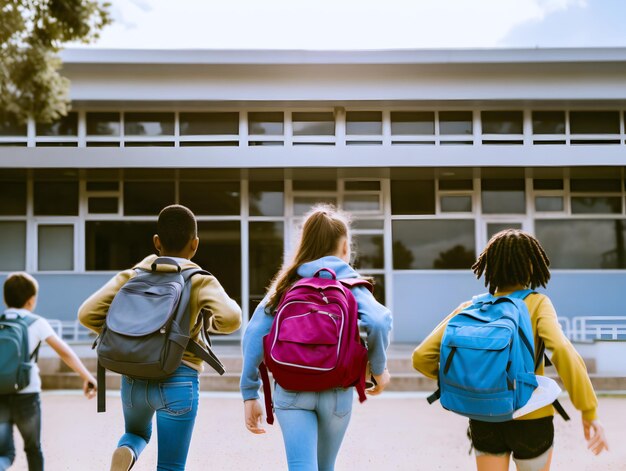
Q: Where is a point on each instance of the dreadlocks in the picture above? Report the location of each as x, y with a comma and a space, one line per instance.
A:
512, 257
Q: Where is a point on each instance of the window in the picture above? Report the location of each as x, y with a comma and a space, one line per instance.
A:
55, 247
149, 124
407, 123
502, 122
368, 251
549, 203
266, 123
433, 244
102, 205
266, 255
494, 227
586, 243
303, 204
456, 204
313, 123
502, 196
207, 124
266, 198
147, 198
456, 122
412, 197
117, 245
12, 245
548, 122
596, 195
55, 198
210, 197
364, 123
103, 124
594, 122
13, 192
66, 126
361, 203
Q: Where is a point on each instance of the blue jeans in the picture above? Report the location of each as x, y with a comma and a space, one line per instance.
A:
313, 426
23, 411
175, 401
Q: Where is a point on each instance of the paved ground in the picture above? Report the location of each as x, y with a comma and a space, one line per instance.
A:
396, 431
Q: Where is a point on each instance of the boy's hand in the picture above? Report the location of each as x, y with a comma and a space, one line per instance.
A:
382, 380
596, 441
90, 389
253, 415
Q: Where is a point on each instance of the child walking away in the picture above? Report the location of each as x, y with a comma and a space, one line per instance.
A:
305, 333
526, 322
204, 303
21, 334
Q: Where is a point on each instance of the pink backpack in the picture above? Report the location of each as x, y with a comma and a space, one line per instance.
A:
314, 343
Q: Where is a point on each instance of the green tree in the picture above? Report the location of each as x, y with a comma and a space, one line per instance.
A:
32, 32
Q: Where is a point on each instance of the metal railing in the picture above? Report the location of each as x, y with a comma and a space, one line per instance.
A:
71, 331
590, 328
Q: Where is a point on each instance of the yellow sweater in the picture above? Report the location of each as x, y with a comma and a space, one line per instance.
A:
565, 358
207, 296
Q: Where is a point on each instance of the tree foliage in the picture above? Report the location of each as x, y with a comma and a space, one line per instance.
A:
32, 32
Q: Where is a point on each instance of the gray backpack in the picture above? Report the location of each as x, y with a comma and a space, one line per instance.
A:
147, 327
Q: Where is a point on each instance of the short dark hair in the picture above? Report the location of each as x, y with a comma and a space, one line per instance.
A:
19, 287
176, 227
513, 257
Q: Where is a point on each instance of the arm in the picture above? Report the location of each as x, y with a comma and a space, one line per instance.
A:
71, 359
376, 320
92, 313
225, 313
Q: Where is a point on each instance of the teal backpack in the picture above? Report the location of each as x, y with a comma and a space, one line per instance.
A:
15, 359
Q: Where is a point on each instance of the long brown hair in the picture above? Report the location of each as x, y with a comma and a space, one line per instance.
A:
323, 228
513, 257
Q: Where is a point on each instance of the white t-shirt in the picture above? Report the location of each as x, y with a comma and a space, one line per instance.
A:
38, 331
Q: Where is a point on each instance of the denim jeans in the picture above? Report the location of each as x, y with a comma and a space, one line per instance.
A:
23, 411
313, 426
175, 401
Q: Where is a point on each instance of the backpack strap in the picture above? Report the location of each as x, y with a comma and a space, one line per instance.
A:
354, 282
267, 394
543, 357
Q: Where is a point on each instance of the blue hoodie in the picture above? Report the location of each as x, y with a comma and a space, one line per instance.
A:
374, 319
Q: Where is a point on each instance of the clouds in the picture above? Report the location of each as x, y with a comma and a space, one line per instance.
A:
336, 24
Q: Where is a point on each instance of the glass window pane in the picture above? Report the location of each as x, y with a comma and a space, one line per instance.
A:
266, 198
592, 185
12, 198
428, 244
314, 185
103, 124
147, 198
266, 256
267, 124
200, 124
364, 123
55, 198
596, 205
303, 204
594, 122
313, 124
412, 123
549, 203
149, 124
102, 205
66, 126
210, 197
456, 204
379, 288
452, 185
456, 122
117, 245
574, 243
494, 227
55, 248
103, 186
502, 122
501, 196
12, 245
548, 183
368, 224
548, 122
368, 251
358, 203
9, 126
412, 197
356, 185
220, 253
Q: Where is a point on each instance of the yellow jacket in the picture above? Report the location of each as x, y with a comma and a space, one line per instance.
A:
207, 296
565, 358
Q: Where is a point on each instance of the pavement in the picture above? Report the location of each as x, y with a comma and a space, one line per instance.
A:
395, 431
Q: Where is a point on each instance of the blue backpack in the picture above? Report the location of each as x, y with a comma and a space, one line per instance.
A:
487, 362
15, 359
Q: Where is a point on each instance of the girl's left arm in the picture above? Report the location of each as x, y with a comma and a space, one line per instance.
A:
376, 320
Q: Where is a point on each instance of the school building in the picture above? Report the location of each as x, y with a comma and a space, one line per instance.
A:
432, 151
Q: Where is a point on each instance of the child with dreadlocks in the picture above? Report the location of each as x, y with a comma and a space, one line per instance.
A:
514, 260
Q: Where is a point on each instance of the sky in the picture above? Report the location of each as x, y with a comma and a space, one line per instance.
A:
364, 24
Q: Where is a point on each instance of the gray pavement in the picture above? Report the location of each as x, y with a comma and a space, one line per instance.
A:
395, 431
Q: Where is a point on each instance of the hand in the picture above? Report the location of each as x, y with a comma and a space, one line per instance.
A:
253, 411
382, 380
596, 442
89, 388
